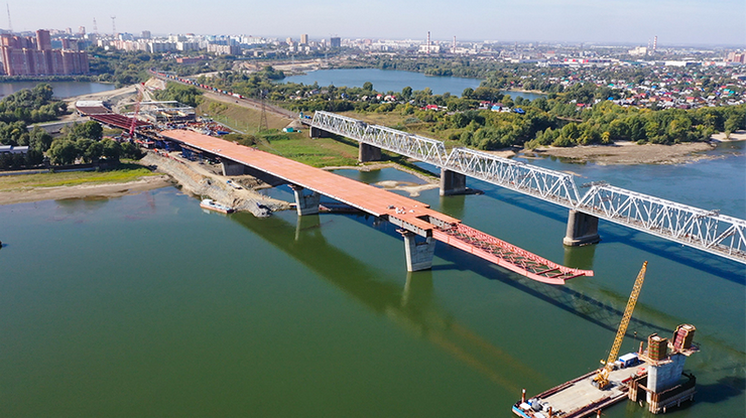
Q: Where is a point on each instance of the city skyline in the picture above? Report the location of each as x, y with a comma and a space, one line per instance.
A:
686, 22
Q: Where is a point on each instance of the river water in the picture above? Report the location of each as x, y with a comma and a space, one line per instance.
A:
147, 306
62, 89
394, 80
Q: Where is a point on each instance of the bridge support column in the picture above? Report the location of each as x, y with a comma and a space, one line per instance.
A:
451, 183
368, 153
419, 254
582, 229
317, 133
232, 168
306, 203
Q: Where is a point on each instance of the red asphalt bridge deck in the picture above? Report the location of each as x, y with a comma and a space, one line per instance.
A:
407, 213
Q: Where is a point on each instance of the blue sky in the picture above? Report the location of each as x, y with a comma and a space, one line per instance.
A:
676, 22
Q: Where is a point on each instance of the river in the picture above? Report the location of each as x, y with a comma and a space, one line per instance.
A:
147, 306
393, 80
62, 89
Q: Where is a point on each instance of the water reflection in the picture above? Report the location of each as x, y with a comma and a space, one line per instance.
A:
580, 257
413, 306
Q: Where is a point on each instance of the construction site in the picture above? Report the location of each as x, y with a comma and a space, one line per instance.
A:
653, 375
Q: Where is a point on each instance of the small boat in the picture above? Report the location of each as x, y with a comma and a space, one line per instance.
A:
210, 204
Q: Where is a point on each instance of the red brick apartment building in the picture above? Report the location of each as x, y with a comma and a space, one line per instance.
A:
22, 55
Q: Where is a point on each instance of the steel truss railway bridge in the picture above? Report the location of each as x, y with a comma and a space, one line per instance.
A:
706, 230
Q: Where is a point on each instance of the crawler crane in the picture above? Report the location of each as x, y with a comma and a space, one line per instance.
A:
601, 380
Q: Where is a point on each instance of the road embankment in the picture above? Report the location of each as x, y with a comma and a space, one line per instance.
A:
201, 181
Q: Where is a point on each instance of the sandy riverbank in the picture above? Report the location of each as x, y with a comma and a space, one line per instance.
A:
627, 153
85, 191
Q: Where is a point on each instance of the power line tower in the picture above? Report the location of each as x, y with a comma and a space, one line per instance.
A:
263, 125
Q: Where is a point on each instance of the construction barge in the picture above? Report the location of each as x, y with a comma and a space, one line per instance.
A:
655, 373
654, 376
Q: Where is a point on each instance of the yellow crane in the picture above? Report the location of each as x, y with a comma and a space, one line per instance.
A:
601, 380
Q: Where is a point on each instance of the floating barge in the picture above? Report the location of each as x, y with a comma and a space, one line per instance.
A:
579, 398
654, 376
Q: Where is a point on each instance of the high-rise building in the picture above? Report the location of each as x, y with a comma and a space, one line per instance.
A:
28, 56
145, 34
335, 42
43, 40
304, 39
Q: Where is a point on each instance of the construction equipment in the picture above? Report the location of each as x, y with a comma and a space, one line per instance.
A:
133, 124
601, 380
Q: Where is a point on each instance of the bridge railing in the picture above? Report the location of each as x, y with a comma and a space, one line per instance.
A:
555, 186
706, 230
403, 143
698, 228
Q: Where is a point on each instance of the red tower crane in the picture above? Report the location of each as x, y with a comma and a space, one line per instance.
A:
133, 124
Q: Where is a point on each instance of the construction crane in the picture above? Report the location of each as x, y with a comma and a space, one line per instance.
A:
133, 124
601, 380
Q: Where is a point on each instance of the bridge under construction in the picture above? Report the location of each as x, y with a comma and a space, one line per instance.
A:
419, 225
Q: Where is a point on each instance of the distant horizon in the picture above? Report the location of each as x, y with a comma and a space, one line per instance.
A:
677, 23
442, 41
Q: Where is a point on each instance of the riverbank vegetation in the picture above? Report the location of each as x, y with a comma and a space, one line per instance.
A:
126, 172
487, 118
85, 142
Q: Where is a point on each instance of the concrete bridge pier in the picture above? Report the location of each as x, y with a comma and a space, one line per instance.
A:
317, 133
451, 183
582, 229
232, 168
306, 203
419, 254
368, 153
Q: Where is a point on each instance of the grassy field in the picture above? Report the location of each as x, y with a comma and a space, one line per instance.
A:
316, 152
126, 173
298, 146
238, 118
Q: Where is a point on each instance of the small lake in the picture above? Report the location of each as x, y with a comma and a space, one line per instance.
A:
394, 80
62, 89
386, 80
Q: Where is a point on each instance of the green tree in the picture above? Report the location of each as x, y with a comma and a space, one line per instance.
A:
63, 151
732, 124
111, 150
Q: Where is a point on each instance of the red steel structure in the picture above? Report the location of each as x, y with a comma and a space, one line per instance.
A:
409, 214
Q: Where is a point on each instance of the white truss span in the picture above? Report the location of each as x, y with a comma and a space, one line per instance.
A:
705, 230
551, 185
403, 143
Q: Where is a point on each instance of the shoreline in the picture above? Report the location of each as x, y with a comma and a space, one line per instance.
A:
627, 153
86, 191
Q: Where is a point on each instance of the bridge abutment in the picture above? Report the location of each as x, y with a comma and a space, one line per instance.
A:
315, 132
307, 203
582, 229
451, 183
232, 168
419, 255
368, 153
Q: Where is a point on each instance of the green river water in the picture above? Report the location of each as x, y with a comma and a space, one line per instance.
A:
146, 306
